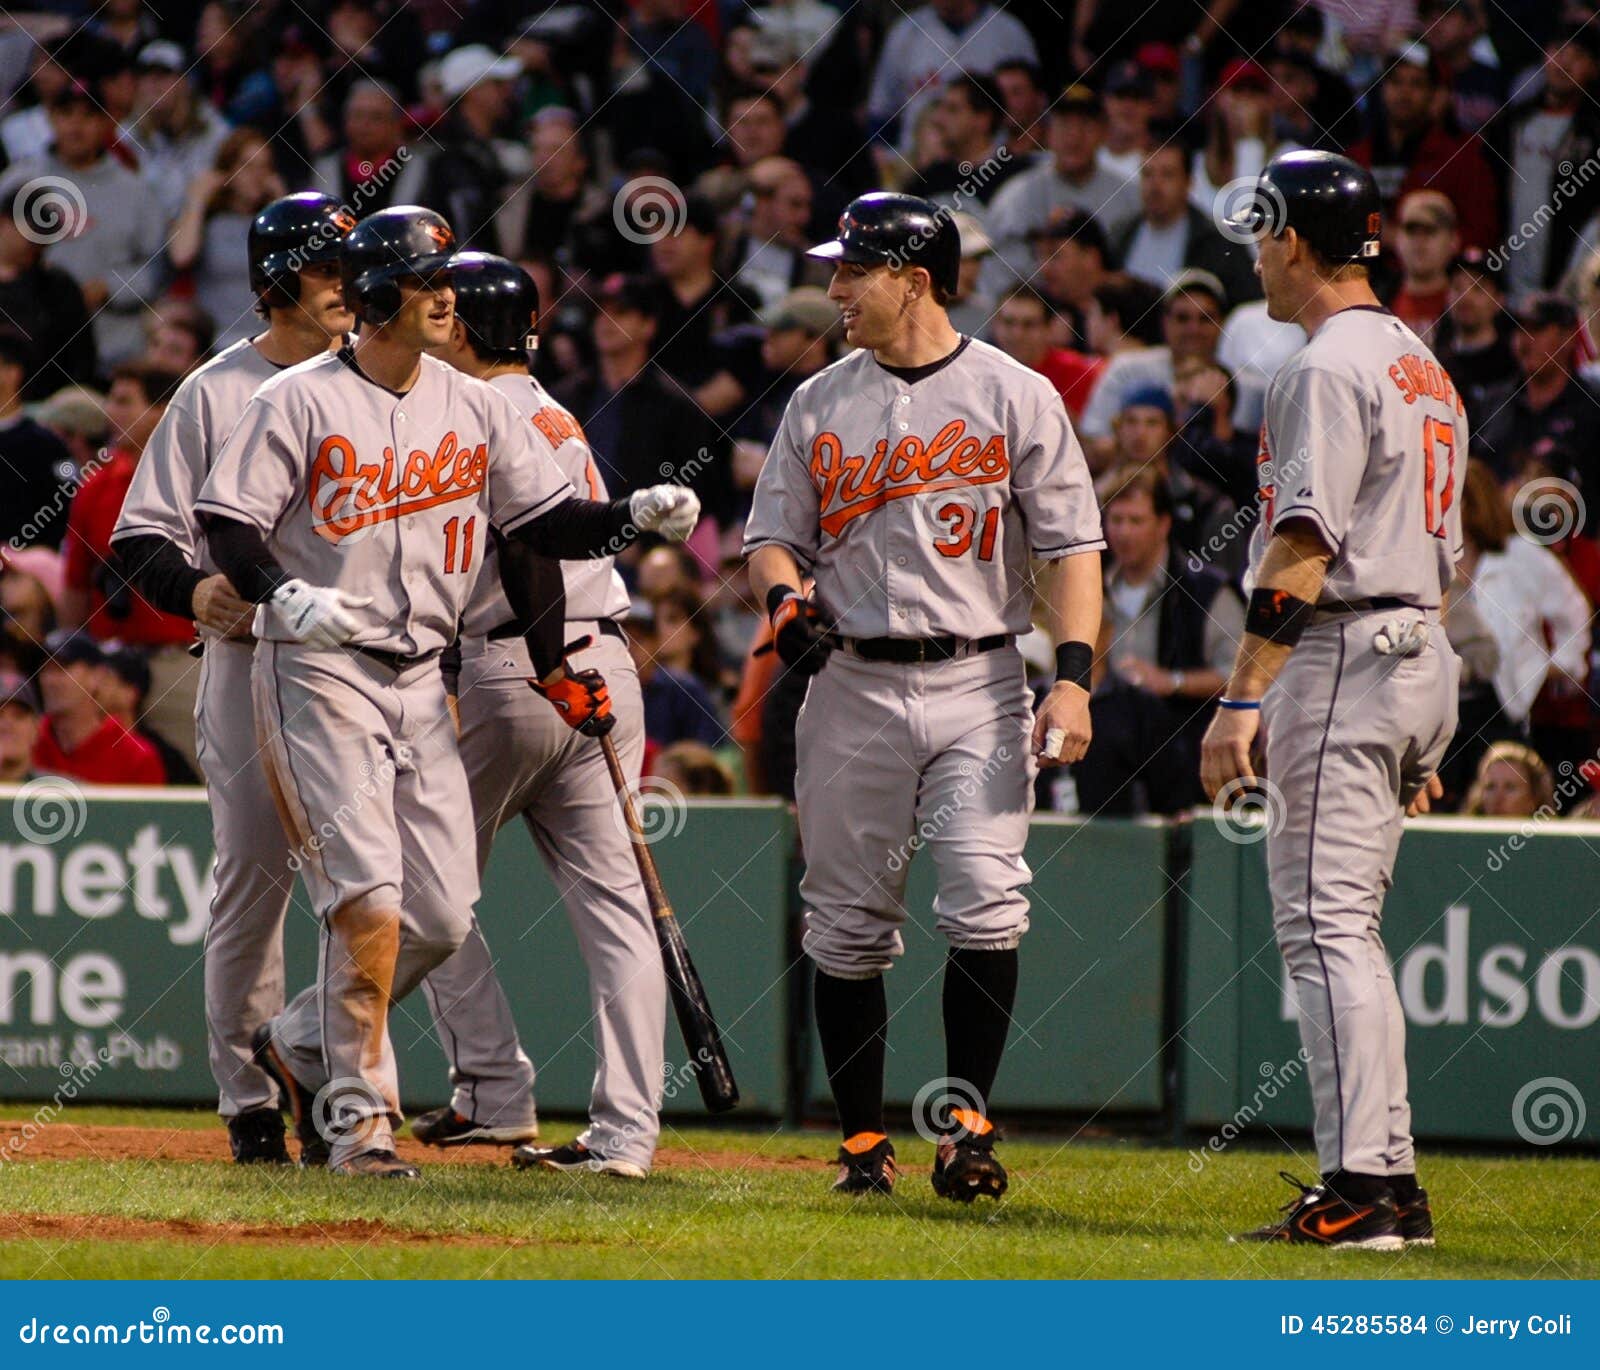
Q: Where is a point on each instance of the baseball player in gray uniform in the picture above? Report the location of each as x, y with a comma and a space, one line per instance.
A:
1346, 667
913, 481
352, 502
521, 758
294, 271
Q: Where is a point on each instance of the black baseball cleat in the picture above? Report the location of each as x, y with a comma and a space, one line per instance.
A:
574, 1157
446, 1127
866, 1165
964, 1164
376, 1165
299, 1101
256, 1138
1416, 1220
1319, 1217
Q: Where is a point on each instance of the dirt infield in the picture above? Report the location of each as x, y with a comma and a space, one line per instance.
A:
20, 1141
97, 1227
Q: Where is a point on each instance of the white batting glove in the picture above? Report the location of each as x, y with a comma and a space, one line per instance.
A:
316, 615
1400, 637
670, 510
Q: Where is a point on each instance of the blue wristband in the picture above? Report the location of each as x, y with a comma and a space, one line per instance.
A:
1226, 703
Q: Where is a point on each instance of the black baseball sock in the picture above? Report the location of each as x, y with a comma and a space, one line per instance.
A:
1356, 1188
980, 988
1404, 1187
853, 1022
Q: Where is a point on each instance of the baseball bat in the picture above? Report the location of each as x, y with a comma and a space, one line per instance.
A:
689, 1002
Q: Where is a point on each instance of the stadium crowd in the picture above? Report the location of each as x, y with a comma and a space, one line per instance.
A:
659, 167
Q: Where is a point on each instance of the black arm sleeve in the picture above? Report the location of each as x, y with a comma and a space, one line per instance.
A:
159, 572
580, 530
538, 596
241, 552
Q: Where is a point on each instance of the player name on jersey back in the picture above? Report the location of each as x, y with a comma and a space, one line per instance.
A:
1365, 437
917, 503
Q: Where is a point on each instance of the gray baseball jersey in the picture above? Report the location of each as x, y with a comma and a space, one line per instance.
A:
916, 499
383, 494
916, 504
1366, 436
594, 589
244, 940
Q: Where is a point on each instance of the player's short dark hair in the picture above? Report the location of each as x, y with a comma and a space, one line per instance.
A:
983, 95
1134, 478
1135, 304
157, 383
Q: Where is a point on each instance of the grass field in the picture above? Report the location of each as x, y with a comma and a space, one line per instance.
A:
90, 1196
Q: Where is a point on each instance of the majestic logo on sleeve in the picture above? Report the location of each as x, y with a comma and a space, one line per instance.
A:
347, 494
850, 486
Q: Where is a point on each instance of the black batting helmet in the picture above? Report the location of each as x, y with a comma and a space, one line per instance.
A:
290, 233
1327, 199
386, 248
497, 301
885, 228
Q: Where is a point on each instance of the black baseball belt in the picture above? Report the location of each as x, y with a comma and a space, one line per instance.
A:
1378, 604
609, 627
914, 651
395, 661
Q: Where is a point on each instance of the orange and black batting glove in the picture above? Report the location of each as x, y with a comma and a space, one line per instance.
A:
798, 630
580, 697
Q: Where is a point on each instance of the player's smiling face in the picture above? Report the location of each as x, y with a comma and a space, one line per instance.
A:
427, 311
871, 301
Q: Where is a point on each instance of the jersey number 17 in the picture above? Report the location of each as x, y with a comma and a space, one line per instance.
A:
1438, 455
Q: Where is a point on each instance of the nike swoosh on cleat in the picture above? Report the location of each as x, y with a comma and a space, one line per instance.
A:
1321, 1227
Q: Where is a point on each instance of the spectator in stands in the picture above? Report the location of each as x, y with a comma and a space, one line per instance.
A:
113, 247
664, 570
230, 71
1070, 178
1171, 236
25, 130
78, 738
1538, 615
1412, 150
768, 257
38, 470
799, 338
209, 239
753, 122
1476, 89
1071, 260
374, 159
42, 304
1022, 330
20, 715
925, 43
77, 416
124, 693
178, 130
1026, 101
1129, 110
541, 212
467, 174
1472, 341
27, 618
696, 306
1144, 431
1192, 310
1428, 242
1212, 450
1561, 129
1167, 642
971, 118
694, 769
1123, 315
97, 594
971, 307
1241, 136
638, 423
664, 37
676, 705
1549, 401
684, 639
1512, 782
179, 336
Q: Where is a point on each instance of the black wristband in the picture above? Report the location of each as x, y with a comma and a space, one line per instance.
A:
776, 595
1074, 661
1277, 616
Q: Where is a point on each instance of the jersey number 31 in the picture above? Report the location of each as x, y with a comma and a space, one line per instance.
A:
958, 520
